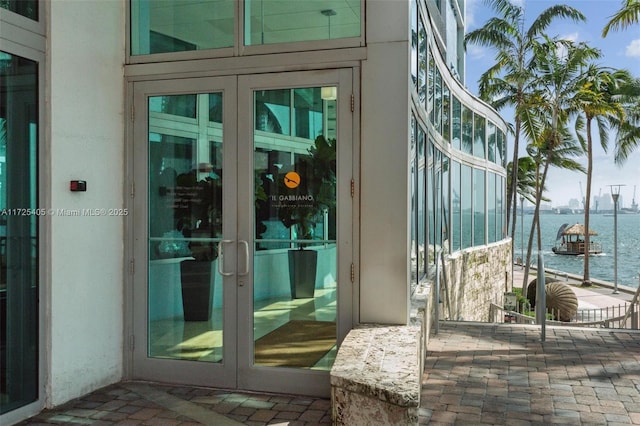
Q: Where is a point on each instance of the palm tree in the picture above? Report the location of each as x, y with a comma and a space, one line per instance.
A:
508, 82
559, 65
526, 178
594, 99
628, 15
627, 130
556, 148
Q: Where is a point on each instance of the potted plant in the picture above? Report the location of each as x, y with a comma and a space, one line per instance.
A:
307, 192
198, 216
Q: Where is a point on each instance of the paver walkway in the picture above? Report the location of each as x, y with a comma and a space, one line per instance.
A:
138, 403
504, 375
475, 373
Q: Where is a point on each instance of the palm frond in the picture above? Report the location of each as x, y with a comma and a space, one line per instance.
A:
547, 16
626, 16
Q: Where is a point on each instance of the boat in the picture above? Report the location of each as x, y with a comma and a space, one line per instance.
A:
571, 241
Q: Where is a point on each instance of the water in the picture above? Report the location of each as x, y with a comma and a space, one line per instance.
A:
600, 266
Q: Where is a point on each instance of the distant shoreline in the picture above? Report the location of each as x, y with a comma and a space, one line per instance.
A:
576, 277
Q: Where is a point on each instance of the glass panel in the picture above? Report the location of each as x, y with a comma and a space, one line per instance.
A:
185, 226
165, 26
285, 21
294, 290
414, 248
445, 112
456, 122
491, 141
422, 63
18, 232
455, 206
467, 130
500, 149
466, 194
437, 104
437, 196
491, 208
307, 112
26, 8
422, 218
445, 202
431, 212
414, 42
273, 111
479, 148
430, 86
478, 207
501, 233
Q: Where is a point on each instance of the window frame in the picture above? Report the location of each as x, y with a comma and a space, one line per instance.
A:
239, 49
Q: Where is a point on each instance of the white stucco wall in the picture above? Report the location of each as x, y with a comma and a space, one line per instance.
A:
384, 223
84, 97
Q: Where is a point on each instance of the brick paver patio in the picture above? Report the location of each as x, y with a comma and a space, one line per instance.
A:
504, 375
475, 374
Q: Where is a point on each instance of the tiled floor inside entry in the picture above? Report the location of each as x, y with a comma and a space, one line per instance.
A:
202, 340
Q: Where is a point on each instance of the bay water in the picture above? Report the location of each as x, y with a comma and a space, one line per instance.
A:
601, 266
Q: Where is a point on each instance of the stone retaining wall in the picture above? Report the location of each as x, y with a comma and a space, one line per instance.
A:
476, 277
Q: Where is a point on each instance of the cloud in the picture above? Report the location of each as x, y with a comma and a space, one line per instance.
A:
470, 13
633, 49
570, 37
562, 50
519, 3
478, 52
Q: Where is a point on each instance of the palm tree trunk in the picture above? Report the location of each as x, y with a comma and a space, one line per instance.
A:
513, 200
586, 281
534, 224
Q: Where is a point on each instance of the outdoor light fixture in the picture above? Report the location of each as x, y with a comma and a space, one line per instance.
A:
329, 13
615, 194
329, 93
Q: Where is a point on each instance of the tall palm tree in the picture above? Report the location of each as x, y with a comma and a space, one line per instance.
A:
508, 82
595, 100
628, 15
559, 65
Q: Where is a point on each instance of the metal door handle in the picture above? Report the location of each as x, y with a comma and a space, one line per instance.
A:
246, 257
221, 258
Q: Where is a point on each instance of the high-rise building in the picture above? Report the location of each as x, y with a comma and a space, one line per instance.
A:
184, 184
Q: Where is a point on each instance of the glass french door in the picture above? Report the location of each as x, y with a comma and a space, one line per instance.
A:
239, 221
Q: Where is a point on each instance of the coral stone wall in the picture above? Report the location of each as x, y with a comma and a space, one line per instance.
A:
475, 278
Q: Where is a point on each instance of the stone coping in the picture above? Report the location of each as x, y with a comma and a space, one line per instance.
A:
382, 362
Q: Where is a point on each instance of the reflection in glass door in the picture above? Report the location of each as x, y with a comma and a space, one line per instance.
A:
185, 227
239, 232
294, 285
19, 214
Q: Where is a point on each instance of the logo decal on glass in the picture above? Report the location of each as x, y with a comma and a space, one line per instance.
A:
292, 180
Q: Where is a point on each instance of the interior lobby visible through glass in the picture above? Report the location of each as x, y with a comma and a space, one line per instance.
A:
295, 257
178, 26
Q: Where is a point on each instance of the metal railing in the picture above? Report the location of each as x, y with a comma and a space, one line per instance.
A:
626, 316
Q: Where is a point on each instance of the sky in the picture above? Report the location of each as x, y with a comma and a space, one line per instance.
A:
620, 49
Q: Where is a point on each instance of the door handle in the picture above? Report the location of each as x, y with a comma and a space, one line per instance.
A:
221, 258
246, 257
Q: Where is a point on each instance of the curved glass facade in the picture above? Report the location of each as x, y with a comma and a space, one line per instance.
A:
458, 151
